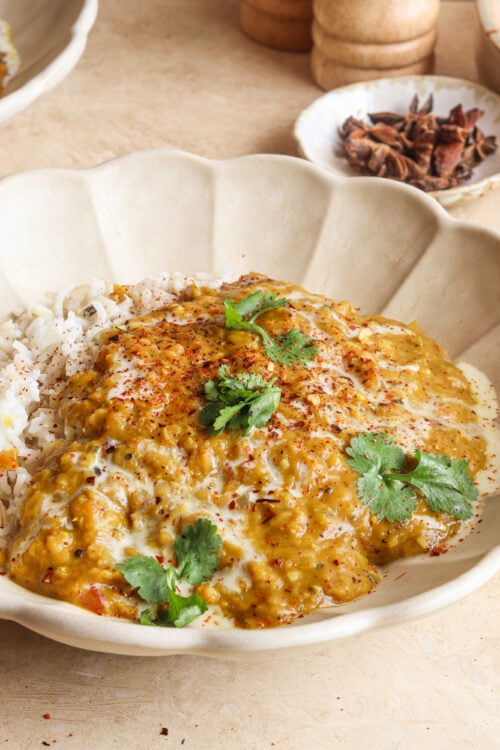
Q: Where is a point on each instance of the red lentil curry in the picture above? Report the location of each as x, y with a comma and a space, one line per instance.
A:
296, 536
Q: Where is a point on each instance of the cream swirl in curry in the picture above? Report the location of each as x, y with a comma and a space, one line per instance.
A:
139, 465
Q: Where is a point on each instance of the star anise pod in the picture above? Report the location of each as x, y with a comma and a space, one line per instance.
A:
429, 152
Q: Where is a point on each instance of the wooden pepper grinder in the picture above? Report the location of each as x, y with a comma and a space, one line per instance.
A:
284, 24
358, 40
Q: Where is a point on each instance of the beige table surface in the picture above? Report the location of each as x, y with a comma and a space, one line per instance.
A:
179, 73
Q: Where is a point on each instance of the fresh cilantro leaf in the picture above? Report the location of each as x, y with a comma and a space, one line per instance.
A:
195, 548
234, 387
445, 483
210, 415
256, 304
386, 498
184, 609
181, 611
291, 348
147, 576
150, 616
240, 401
236, 422
227, 416
372, 450
234, 318
262, 409
211, 390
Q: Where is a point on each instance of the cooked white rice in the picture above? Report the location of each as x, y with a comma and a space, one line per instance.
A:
39, 349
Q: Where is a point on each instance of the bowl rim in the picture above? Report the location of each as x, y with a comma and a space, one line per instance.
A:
69, 624
14, 102
466, 191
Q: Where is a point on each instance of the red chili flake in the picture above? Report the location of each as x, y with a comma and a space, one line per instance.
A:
164, 731
47, 716
90, 480
48, 579
160, 559
232, 505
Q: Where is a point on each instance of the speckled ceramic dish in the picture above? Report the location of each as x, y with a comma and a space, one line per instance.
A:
382, 245
317, 127
50, 36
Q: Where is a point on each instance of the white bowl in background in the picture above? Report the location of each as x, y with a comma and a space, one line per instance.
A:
317, 129
382, 245
50, 36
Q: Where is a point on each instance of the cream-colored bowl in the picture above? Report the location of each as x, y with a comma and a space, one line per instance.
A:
382, 245
488, 43
317, 129
50, 36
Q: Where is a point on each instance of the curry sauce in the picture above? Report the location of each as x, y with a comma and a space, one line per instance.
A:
137, 465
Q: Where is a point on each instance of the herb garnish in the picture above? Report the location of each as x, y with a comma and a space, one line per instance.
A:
240, 401
385, 487
291, 348
195, 549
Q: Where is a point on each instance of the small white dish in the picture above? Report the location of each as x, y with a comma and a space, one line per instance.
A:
384, 246
317, 129
50, 36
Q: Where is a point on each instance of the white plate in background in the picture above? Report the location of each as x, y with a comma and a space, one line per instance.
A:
50, 36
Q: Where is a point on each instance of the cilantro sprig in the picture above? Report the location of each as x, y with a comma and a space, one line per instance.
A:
240, 401
291, 348
196, 550
388, 489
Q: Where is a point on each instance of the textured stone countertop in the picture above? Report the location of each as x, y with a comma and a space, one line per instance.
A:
180, 73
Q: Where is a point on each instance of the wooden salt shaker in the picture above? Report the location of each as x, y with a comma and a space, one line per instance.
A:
284, 24
358, 40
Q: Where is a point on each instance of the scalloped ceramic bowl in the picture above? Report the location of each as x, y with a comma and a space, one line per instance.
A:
317, 127
50, 36
382, 245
